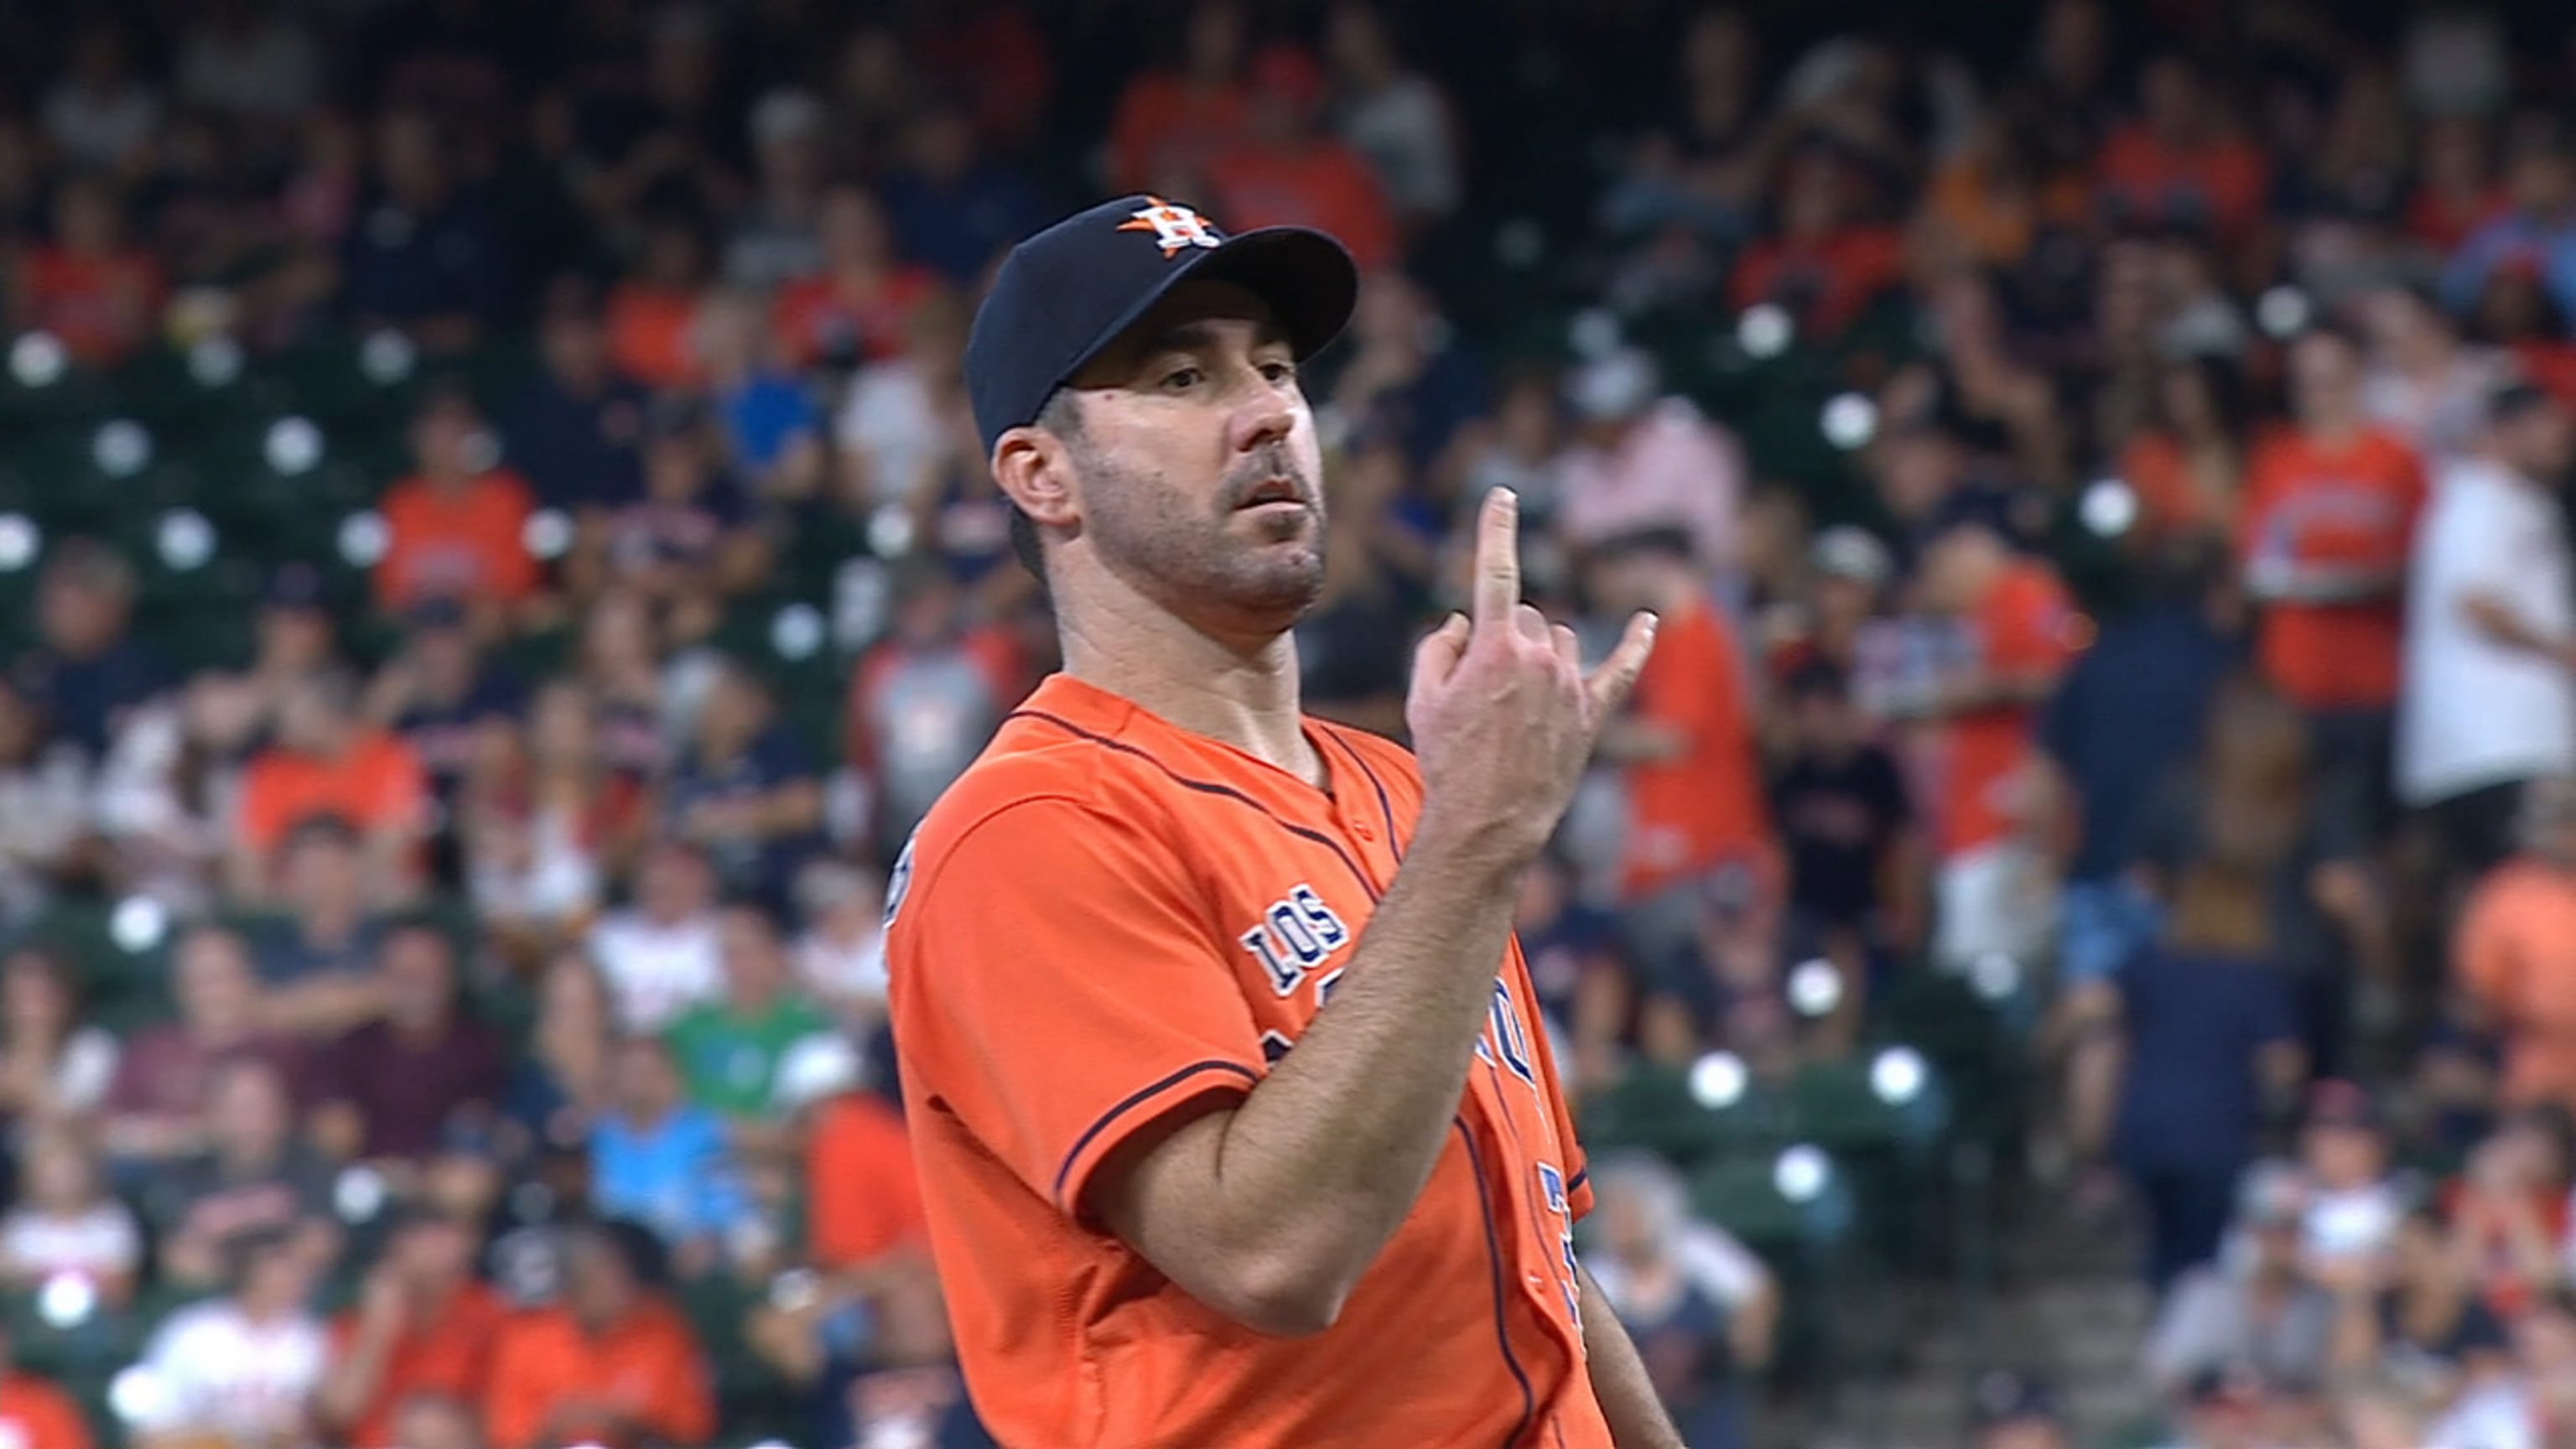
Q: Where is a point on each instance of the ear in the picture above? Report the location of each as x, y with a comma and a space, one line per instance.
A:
1035, 471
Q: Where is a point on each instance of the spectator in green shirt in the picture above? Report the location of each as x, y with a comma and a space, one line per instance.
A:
728, 1049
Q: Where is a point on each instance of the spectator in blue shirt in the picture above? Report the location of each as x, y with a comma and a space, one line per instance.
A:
951, 208
772, 429
661, 1162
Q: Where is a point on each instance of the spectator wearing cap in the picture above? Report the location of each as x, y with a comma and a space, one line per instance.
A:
2355, 1202
35, 1410
157, 1102
1696, 819
427, 252
295, 638
611, 1365
1642, 459
2253, 1309
2489, 697
442, 697
93, 288
776, 236
2014, 631
456, 528
328, 762
2513, 953
387, 1091
422, 1325
238, 1370
1847, 822
745, 790
2018, 1411
661, 953
686, 541
2332, 507
576, 430
1287, 169
773, 434
1171, 120
1845, 586
87, 672
853, 307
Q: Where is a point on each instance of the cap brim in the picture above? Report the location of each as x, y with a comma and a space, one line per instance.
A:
1305, 277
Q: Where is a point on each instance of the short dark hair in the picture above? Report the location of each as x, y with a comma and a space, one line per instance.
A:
1062, 416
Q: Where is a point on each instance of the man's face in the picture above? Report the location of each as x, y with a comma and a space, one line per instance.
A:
754, 971
1199, 481
2323, 378
216, 989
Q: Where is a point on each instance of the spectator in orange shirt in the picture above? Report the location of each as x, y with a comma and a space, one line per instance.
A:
34, 1413
615, 1365
456, 529
326, 763
2329, 524
2187, 465
422, 1325
1825, 265
1171, 122
2514, 953
100, 296
1290, 171
2017, 631
653, 312
863, 1203
2179, 164
857, 307
1699, 879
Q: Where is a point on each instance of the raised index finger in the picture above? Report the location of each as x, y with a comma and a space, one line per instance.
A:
1498, 559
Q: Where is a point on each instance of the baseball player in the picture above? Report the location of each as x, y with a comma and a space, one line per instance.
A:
1234, 1119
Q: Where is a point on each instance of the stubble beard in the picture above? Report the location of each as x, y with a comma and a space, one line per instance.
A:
1200, 559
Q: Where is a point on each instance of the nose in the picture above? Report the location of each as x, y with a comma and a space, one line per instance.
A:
1265, 415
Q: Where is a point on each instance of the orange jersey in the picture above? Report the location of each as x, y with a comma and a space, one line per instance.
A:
2354, 506
2024, 626
1704, 807
552, 1383
1110, 921
36, 1415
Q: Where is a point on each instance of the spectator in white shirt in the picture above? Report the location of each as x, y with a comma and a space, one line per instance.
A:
2489, 699
1394, 117
659, 954
239, 1370
66, 1225
841, 956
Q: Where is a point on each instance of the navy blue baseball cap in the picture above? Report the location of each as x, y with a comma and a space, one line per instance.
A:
1066, 293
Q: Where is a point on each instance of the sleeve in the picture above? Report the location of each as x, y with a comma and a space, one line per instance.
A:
1059, 1012
173, 1360
259, 816
516, 571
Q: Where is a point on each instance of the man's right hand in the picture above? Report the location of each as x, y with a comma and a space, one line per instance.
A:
1503, 715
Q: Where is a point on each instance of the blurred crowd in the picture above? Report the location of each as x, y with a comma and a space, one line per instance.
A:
2102, 472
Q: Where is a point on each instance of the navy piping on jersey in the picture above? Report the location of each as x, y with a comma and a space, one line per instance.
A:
1384, 808
1132, 1101
1581, 1176
1494, 1256
1208, 787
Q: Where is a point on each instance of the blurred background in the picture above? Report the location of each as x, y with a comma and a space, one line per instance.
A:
2074, 945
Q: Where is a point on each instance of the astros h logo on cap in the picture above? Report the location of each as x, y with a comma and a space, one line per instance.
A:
1174, 227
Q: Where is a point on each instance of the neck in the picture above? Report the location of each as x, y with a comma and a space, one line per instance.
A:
1242, 691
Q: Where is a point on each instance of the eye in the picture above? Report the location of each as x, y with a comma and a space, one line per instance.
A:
1181, 379
1279, 372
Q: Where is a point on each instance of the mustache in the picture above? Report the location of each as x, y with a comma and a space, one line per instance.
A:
1272, 461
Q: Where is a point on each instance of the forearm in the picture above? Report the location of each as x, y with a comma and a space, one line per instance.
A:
1628, 1401
1347, 1125
354, 1380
